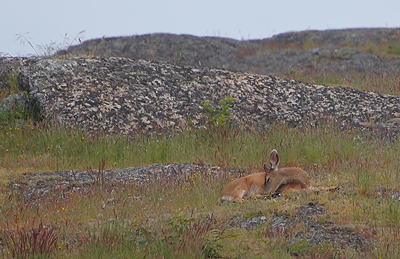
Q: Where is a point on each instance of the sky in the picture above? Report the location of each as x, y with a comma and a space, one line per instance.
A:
34, 27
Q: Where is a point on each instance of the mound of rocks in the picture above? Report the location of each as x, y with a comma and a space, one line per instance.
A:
122, 96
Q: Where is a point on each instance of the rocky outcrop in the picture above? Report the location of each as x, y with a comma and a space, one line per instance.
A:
14, 102
12, 66
331, 51
17, 102
123, 96
37, 185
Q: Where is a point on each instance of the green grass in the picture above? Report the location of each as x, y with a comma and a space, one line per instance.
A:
387, 48
40, 148
180, 218
374, 81
12, 81
394, 49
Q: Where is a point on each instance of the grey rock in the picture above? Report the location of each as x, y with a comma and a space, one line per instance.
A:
177, 49
13, 102
253, 223
318, 231
38, 185
10, 65
328, 58
121, 96
335, 51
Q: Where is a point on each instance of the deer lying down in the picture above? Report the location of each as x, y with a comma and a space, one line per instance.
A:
272, 180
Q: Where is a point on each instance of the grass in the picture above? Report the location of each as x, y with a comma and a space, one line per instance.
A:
180, 218
387, 48
12, 81
374, 81
39, 148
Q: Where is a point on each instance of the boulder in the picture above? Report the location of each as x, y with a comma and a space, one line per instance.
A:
122, 96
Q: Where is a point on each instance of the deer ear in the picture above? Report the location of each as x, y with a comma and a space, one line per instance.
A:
267, 168
274, 159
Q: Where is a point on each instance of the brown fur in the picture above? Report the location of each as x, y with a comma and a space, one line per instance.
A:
272, 180
288, 179
246, 187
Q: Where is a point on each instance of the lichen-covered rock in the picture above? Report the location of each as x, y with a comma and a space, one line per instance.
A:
14, 102
36, 185
10, 66
342, 52
122, 96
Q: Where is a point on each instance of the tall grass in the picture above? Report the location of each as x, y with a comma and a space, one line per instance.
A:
386, 49
37, 148
375, 81
179, 218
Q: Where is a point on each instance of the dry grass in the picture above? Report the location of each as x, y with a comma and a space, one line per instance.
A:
180, 218
387, 48
374, 81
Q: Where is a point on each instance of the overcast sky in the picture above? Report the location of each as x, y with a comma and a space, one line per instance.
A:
41, 22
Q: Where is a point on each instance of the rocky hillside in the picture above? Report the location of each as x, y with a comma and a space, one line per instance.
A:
122, 96
334, 51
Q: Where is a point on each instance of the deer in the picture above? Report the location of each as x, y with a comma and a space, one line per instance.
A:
273, 180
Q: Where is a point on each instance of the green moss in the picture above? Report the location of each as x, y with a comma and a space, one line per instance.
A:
394, 49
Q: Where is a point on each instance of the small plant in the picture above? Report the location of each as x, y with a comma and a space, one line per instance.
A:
218, 116
344, 55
